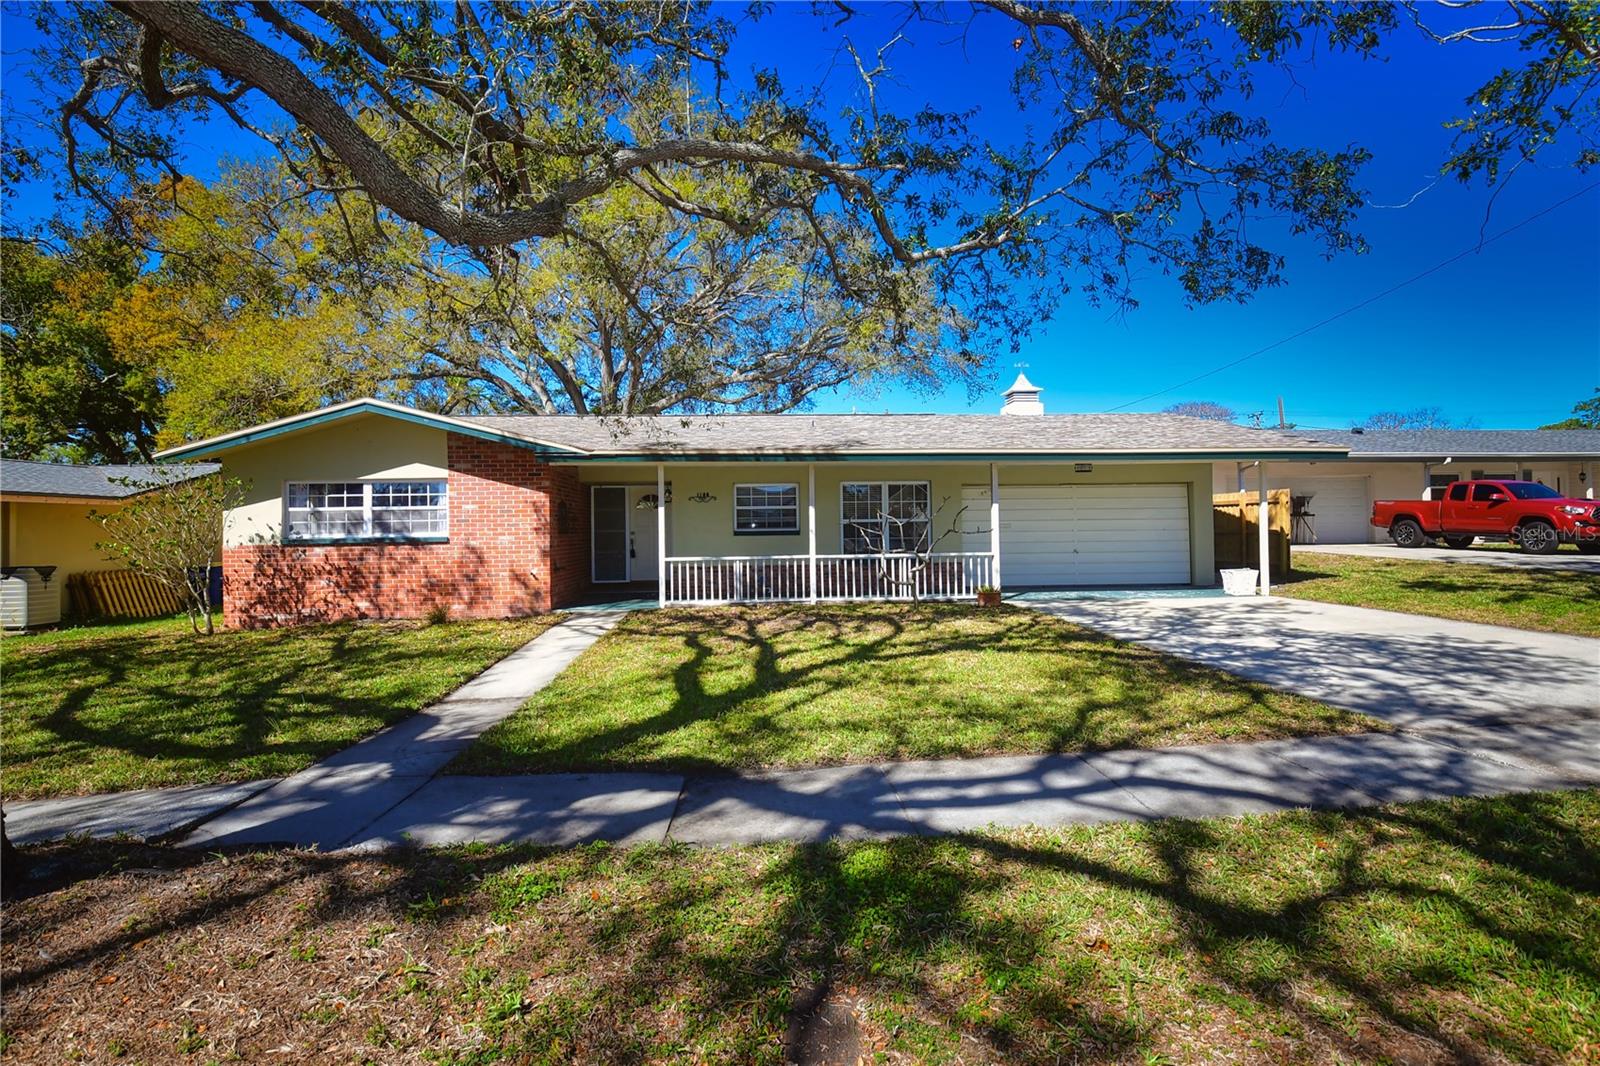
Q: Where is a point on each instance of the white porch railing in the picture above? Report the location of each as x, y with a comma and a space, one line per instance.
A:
782, 578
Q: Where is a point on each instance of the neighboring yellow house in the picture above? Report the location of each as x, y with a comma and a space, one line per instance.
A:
45, 507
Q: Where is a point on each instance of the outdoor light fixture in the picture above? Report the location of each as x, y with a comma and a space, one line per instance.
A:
702, 497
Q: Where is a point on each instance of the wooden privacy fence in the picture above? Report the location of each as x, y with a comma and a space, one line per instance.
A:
120, 594
1234, 525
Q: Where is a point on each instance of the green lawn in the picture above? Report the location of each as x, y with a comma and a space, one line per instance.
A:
1551, 600
733, 688
105, 708
1440, 932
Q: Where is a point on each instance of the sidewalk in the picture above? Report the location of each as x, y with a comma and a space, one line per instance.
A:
886, 799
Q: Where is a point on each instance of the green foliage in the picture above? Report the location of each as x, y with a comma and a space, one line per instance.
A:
261, 307
1585, 415
533, 208
71, 392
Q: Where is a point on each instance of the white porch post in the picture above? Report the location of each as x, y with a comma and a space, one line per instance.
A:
1588, 481
1427, 481
661, 534
994, 520
811, 531
1238, 469
1263, 534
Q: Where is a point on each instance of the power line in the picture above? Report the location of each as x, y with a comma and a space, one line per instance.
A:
1364, 303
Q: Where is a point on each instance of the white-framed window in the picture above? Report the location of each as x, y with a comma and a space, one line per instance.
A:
766, 508
884, 516
366, 510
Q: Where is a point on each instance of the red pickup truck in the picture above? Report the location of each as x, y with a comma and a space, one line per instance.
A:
1536, 518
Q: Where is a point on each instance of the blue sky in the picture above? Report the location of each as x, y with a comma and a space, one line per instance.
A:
1507, 337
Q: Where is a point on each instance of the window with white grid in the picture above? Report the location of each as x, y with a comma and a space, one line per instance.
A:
884, 516
766, 508
364, 510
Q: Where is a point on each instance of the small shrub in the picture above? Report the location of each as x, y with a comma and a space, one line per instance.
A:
438, 614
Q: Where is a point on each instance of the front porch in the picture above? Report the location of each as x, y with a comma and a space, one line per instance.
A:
841, 531
826, 578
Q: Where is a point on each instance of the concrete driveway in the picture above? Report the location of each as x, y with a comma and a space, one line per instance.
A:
1524, 696
1561, 560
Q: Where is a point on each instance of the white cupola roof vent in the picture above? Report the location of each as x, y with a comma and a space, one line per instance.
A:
1022, 398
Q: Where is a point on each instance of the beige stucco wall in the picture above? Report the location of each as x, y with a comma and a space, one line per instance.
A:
707, 528
369, 446
55, 534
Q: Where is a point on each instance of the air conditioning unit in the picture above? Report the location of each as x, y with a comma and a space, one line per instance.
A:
29, 597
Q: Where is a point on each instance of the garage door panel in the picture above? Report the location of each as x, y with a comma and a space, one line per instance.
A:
1339, 507
1092, 534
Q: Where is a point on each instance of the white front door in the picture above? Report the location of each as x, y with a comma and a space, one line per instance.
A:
1102, 535
643, 552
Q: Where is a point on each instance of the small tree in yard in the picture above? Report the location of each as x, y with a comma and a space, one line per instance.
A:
171, 530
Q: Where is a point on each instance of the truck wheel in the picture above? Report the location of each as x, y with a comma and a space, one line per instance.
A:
1458, 542
1538, 537
1407, 533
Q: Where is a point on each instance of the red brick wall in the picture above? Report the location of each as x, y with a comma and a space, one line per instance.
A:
569, 539
505, 556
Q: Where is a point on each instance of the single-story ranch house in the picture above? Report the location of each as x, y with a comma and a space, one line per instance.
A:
1335, 499
371, 509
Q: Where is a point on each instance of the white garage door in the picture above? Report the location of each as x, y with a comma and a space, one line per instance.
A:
1339, 509
1088, 534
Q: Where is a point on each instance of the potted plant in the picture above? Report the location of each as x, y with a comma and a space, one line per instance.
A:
988, 596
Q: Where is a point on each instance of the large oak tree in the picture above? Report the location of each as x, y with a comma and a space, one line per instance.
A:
613, 218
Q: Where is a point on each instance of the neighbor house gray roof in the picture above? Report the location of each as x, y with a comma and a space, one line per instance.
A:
825, 436
1465, 443
23, 477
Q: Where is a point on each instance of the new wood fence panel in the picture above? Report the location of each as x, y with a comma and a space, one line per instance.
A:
1234, 525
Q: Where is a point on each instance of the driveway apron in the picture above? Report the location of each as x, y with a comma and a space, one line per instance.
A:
1510, 693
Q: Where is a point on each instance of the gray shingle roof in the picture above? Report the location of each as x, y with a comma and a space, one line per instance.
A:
805, 434
23, 477
1447, 443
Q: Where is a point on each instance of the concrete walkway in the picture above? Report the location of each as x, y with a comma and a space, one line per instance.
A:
335, 800
1565, 559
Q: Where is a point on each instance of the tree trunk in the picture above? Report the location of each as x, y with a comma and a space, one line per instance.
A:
11, 869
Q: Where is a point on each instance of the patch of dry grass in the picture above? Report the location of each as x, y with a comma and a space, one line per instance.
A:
1429, 933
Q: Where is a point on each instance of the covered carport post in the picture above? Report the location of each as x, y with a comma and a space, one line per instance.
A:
1263, 530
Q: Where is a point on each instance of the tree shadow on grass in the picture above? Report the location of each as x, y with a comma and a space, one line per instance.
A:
1110, 944
745, 688
235, 706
